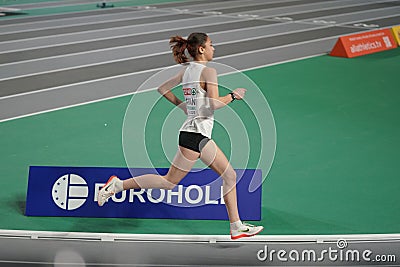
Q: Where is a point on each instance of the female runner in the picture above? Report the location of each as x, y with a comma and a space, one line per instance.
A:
200, 89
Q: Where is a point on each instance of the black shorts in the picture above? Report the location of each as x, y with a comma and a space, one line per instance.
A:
193, 141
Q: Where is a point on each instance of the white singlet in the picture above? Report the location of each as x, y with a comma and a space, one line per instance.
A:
200, 116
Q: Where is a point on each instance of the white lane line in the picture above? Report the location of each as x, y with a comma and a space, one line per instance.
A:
85, 66
79, 83
266, 17
16, 19
354, 13
96, 50
233, 16
269, 18
16, 69
365, 12
344, 24
85, 52
179, 23
146, 55
329, 7
57, 5
260, 27
151, 70
86, 24
274, 18
194, 12
143, 15
217, 6
123, 46
166, 11
137, 92
10, 29
275, 48
134, 9
104, 15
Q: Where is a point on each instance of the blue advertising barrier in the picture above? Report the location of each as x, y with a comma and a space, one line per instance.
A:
72, 191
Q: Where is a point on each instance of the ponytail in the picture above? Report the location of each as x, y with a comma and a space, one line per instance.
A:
192, 43
178, 46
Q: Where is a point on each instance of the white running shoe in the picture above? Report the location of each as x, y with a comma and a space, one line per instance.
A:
246, 230
107, 191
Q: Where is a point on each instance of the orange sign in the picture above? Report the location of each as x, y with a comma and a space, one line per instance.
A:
364, 43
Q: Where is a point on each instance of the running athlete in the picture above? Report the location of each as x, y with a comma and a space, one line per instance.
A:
200, 89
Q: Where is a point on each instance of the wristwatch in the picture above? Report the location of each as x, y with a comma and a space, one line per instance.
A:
233, 96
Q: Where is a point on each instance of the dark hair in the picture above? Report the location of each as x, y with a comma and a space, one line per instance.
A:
192, 43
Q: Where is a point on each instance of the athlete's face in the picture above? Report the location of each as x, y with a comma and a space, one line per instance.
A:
207, 50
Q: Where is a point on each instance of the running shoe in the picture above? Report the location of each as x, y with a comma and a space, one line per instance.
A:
246, 230
107, 191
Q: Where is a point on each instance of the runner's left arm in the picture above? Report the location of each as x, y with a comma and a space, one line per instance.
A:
217, 101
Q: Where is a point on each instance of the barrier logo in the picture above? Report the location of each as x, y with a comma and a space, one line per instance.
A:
72, 192
69, 192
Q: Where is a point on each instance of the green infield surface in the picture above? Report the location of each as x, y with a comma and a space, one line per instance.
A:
334, 171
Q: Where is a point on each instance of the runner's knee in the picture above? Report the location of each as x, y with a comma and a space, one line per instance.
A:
229, 177
167, 184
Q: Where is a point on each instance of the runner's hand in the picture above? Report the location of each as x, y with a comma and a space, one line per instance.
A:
183, 107
239, 93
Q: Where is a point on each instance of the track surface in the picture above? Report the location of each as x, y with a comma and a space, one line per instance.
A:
63, 59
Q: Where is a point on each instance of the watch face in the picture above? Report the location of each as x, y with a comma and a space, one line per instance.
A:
70, 192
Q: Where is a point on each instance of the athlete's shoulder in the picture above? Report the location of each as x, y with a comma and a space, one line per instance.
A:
209, 71
209, 75
182, 70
